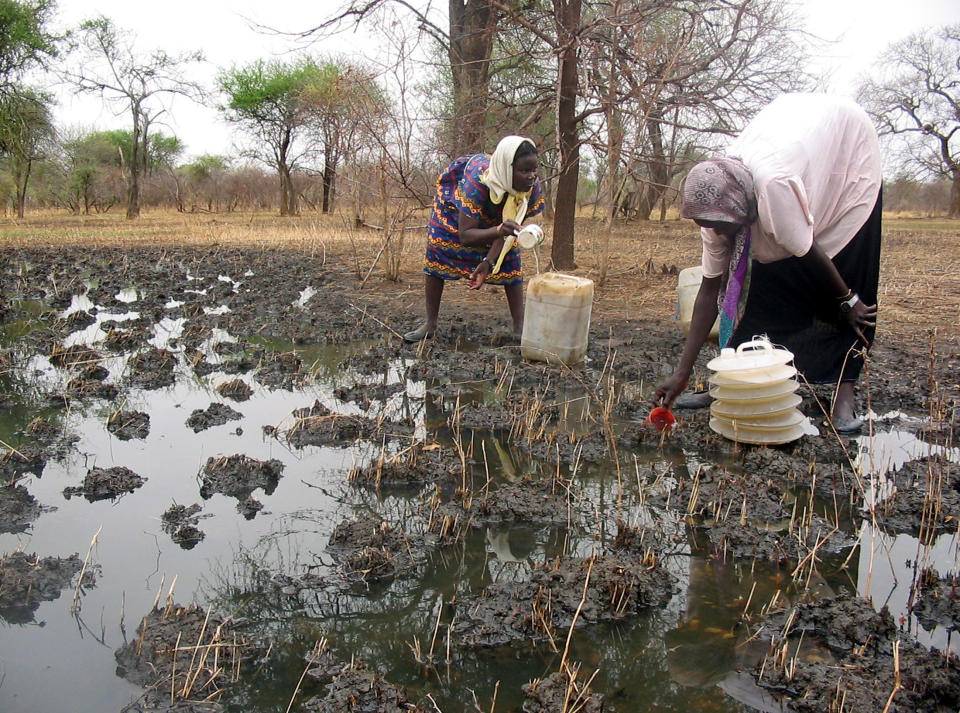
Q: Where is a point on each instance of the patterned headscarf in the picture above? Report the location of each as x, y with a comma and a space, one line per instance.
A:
499, 178
721, 190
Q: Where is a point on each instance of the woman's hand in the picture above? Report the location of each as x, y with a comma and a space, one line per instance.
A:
479, 274
670, 389
509, 227
860, 317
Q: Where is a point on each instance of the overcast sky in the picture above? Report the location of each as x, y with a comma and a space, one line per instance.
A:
858, 29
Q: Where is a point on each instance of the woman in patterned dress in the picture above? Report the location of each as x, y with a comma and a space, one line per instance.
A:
479, 201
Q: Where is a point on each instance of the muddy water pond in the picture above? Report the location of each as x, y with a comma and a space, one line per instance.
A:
231, 491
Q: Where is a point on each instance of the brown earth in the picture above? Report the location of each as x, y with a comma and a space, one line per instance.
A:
745, 511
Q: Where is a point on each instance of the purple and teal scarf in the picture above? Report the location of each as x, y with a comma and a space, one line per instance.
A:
721, 190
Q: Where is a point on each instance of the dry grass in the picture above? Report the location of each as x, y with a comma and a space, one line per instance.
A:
920, 273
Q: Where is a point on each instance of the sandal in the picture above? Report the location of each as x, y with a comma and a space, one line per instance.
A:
693, 399
848, 426
418, 335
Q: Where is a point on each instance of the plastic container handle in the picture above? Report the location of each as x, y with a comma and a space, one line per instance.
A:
755, 345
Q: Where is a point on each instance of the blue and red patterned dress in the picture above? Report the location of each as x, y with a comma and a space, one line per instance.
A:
459, 188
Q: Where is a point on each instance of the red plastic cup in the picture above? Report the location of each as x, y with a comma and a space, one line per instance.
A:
661, 418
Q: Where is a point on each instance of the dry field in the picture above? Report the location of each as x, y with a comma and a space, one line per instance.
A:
919, 290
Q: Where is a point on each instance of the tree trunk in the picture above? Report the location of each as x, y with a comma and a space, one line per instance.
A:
567, 14
473, 25
133, 171
329, 176
288, 197
21, 177
954, 211
659, 165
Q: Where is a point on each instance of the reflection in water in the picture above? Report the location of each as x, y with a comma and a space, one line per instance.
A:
275, 571
888, 566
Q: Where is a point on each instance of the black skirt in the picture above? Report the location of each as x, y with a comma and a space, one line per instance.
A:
796, 309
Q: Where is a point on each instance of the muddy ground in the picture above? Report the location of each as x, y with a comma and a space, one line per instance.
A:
751, 508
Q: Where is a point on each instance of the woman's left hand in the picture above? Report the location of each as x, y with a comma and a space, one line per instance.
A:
860, 317
479, 274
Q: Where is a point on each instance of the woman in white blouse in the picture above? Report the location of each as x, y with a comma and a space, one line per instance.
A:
790, 222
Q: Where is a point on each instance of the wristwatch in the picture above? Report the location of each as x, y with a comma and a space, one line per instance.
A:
847, 304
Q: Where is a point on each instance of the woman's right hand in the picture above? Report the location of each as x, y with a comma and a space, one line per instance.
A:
670, 389
509, 227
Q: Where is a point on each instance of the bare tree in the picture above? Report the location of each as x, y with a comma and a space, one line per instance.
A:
467, 42
915, 96
111, 67
27, 135
690, 71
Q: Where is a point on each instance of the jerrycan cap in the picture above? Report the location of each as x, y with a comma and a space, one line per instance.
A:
758, 353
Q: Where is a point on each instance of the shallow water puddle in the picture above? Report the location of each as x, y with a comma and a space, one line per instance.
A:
887, 568
883, 453
680, 656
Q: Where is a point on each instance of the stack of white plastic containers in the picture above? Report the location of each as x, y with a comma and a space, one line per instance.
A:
754, 390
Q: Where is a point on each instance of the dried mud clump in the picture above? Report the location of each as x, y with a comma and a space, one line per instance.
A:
26, 580
127, 425
189, 654
926, 500
180, 522
74, 356
283, 371
216, 414
526, 501
365, 394
78, 320
152, 369
529, 501
249, 507
370, 550
318, 426
357, 689
784, 542
94, 372
106, 483
42, 430
237, 476
867, 663
236, 389
937, 601
18, 508
544, 607
79, 387
121, 340
414, 466
17, 462
560, 692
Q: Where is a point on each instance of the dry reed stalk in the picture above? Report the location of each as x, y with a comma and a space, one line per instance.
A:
318, 649
203, 629
11, 449
896, 675
75, 607
436, 628
576, 615
173, 668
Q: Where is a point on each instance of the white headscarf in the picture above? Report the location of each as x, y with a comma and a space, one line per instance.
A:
499, 178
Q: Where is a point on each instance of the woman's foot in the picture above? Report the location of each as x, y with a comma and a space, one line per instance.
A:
693, 400
419, 334
847, 426
844, 418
